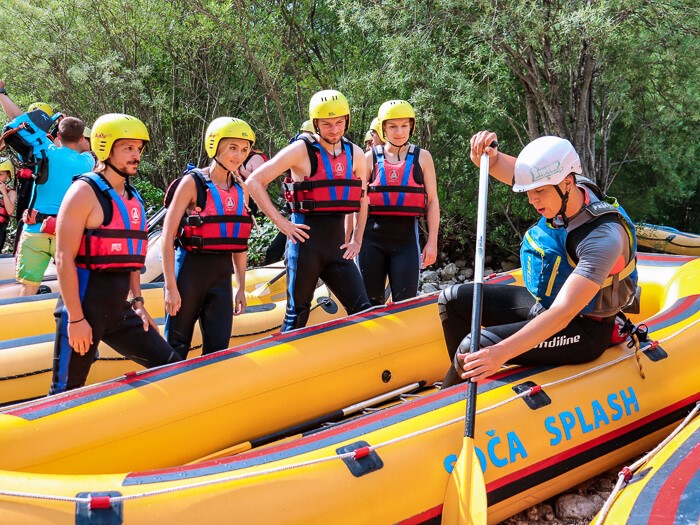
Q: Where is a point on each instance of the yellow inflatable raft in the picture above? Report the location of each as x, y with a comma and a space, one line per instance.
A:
663, 486
199, 441
667, 240
33, 315
9, 287
25, 361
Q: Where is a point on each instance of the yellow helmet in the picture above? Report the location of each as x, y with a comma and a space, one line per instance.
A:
368, 136
329, 103
374, 126
6, 165
43, 106
307, 126
226, 127
87, 132
112, 127
392, 109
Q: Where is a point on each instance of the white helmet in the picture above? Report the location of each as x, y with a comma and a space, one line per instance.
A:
545, 161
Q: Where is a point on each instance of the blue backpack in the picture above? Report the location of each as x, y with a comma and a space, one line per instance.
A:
27, 136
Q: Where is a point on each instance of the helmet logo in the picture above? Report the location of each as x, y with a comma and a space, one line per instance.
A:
545, 171
229, 203
339, 168
135, 215
101, 135
393, 175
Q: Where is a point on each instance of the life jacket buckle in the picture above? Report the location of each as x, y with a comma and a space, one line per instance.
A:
194, 220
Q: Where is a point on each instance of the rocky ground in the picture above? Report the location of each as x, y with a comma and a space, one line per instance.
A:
576, 506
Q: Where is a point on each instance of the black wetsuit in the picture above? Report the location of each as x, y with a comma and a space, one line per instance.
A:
103, 296
204, 283
320, 256
390, 248
507, 309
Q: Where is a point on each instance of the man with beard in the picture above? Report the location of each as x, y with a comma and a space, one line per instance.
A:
101, 246
327, 182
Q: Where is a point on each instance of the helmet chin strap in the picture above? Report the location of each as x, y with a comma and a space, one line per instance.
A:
233, 176
561, 215
117, 170
398, 155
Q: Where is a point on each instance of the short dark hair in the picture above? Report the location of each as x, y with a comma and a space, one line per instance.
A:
71, 129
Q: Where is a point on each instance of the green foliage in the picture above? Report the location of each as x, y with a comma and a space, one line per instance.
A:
260, 238
619, 78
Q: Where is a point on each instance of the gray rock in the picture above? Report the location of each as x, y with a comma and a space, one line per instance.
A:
449, 271
429, 288
467, 273
576, 506
461, 263
429, 276
509, 265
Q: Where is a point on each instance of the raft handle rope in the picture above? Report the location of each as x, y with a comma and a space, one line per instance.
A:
353, 455
624, 476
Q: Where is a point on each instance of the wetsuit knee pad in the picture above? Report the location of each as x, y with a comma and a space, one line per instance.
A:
487, 339
446, 295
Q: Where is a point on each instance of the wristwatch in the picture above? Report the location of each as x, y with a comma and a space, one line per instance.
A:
138, 299
2, 91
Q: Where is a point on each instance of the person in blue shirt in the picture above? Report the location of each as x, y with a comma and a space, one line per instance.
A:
37, 245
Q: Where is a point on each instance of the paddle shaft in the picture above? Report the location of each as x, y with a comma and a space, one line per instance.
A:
314, 424
478, 286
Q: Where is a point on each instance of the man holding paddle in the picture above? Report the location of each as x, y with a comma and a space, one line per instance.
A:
578, 266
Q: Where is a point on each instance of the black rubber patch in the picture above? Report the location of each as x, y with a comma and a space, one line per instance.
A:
534, 401
654, 354
328, 305
112, 515
364, 465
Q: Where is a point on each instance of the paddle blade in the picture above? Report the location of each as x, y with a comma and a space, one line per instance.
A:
274, 290
465, 497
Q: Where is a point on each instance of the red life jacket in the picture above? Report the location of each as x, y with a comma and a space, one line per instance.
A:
120, 243
397, 189
332, 186
222, 225
4, 216
252, 154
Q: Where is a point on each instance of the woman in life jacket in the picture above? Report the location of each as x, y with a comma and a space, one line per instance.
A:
401, 188
579, 268
8, 197
205, 238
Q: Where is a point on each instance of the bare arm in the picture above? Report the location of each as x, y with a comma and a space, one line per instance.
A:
185, 196
77, 208
138, 306
9, 198
354, 243
293, 156
501, 166
429, 255
239, 267
576, 293
8, 105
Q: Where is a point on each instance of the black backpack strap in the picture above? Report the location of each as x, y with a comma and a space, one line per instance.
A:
202, 188
200, 183
417, 169
102, 194
311, 150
